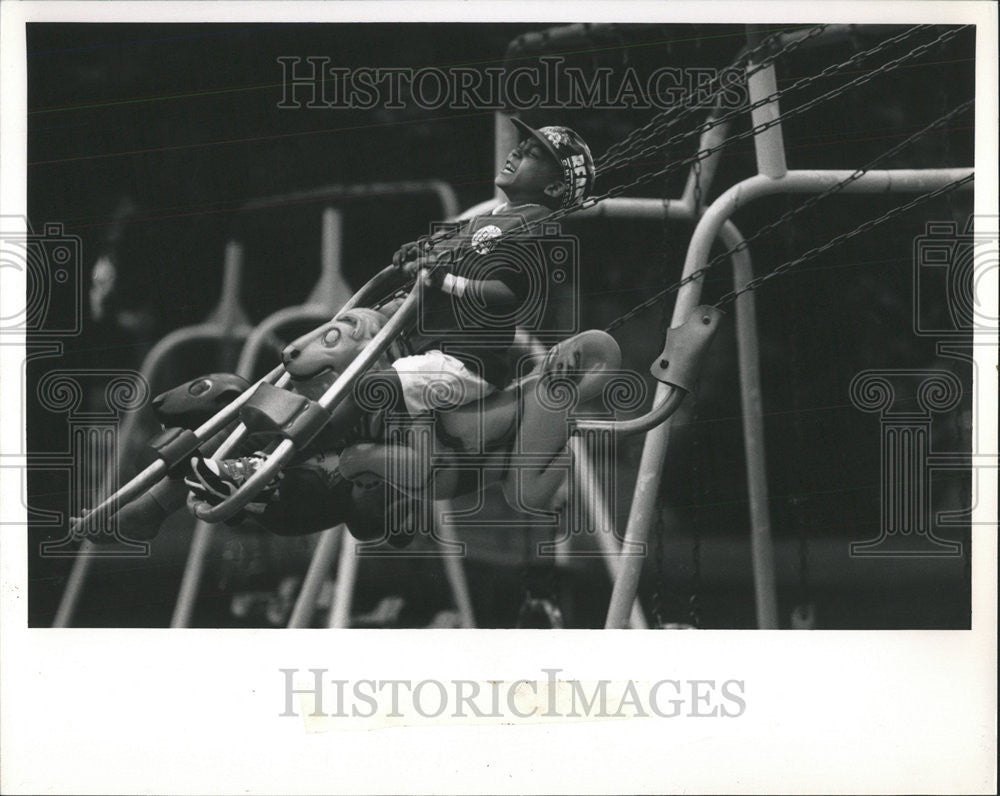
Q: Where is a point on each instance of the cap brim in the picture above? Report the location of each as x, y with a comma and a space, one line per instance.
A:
531, 131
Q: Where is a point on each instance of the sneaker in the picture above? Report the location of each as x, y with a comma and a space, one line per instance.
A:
214, 480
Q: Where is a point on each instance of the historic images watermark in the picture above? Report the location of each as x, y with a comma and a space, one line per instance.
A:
954, 269
328, 703
314, 82
45, 268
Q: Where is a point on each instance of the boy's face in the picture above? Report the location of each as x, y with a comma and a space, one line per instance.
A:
530, 174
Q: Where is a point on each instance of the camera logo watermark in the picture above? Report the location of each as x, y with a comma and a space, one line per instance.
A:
44, 303
905, 488
328, 704
43, 267
448, 432
542, 268
955, 269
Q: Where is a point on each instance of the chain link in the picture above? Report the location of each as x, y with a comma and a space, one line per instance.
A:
786, 217
753, 284
618, 190
685, 107
839, 186
709, 151
698, 204
660, 588
798, 85
700, 499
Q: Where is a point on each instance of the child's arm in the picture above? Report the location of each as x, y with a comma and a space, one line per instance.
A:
484, 292
421, 246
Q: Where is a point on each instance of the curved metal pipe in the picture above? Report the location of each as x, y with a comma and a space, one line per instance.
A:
396, 324
441, 189
806, 181
748, 347
664, 407
278, 377
715, 216
140, 483
329, 400
326, 551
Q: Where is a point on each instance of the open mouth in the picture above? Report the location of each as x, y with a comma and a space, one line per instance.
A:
314, 384
508, 168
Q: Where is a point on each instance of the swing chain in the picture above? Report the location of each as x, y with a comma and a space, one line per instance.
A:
684, 108
785, 217
659, 593
540, 584
799, 85
864, 78
660, 589
753, 284
694, 601
644, 179
698, 204
552, 572
709, 151
812, 201
699, 495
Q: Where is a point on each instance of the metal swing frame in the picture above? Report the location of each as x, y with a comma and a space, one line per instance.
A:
624, 569
325, 301
228, 322
772, 178
711, 223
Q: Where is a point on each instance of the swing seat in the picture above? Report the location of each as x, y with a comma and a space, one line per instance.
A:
484, 425
491, 422
530, 416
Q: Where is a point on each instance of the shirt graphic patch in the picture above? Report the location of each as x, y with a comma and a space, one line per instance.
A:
484, 239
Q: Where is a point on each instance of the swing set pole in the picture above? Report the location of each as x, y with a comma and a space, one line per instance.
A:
644, 503
751, 399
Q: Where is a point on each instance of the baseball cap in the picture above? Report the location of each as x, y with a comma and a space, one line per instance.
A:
571, 152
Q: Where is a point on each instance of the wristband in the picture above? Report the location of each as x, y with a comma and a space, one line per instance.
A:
456, 285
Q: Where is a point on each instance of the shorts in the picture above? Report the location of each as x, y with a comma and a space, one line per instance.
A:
435, 380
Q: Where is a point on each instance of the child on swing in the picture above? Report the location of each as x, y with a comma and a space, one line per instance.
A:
465, 328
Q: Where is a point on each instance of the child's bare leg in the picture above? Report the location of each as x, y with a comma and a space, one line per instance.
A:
398, 465
581, 365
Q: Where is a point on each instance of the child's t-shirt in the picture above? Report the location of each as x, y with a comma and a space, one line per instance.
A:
480, 336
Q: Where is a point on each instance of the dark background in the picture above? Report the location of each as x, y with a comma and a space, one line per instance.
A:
144, 141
